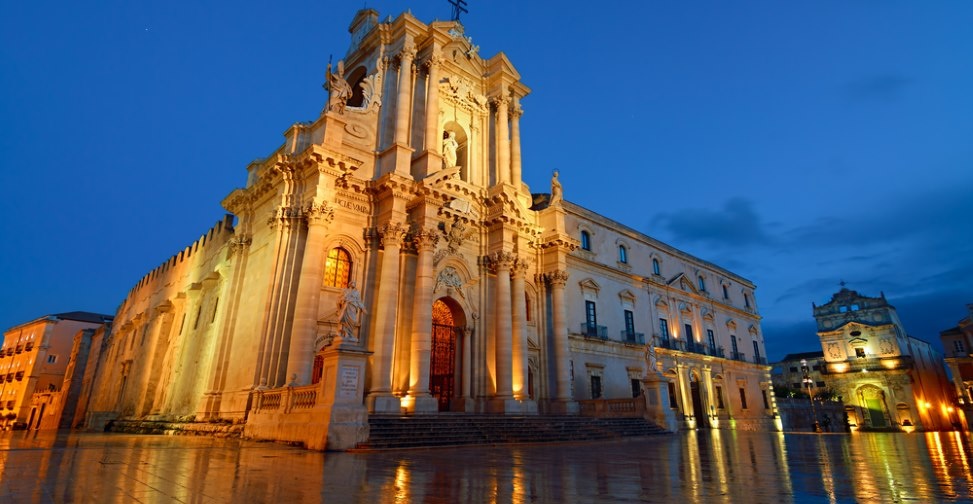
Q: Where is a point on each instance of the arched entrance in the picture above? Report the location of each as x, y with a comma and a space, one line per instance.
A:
447, 324
872, 401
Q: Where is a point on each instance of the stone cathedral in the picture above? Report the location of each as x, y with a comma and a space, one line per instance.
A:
387, 258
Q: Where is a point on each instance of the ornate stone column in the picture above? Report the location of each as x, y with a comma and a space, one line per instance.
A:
419, 400
380, 398
404, 103
503, 140
706, 399
433, 138
562, 351
300, 355
501, 262
515, 167
519, 331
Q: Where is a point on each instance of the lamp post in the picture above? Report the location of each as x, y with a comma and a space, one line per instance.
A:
810, 395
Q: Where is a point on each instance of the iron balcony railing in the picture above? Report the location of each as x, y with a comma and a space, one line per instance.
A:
759, 360
594, 331
633, 337
737, 356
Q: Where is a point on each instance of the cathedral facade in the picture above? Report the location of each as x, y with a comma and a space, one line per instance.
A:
388, 258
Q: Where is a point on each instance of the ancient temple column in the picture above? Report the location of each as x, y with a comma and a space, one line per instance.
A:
300, 355
515, 142
467, 385
425, 241
562, 354
519, 331
503, 141
380, 395
502, 262
433, 138
404, 104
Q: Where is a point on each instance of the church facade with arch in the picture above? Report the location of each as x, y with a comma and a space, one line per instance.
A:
389, 259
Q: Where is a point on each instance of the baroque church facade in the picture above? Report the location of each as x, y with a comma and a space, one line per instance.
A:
388, 258
887, 379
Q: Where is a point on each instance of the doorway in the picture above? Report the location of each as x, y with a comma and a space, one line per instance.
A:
442, 361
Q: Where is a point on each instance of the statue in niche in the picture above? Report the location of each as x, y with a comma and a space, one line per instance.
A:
450, 146
350, 311
555, 189
339, 91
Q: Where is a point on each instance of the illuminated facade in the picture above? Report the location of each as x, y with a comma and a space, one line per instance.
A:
389, 258
888, 379
33, 359
958, 344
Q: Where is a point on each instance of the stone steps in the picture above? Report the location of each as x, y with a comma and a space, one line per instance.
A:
392, 431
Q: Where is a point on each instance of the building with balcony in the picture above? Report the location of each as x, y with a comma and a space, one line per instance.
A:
33, 358
958, 345
388, 258
887, 379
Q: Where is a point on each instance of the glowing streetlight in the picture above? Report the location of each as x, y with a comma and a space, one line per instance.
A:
810, 394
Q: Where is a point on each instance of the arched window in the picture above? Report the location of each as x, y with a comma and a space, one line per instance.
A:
337, 269
702, 283
585, 240
527, 307
655, 267
622, 254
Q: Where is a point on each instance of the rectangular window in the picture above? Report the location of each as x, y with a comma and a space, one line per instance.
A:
590, 318
743, 398
958, 346
766, 402
672, 396
215, 305
199, 311
726, 294
712, 341
636, 387
733, 343
527, 306
860, 353
595, 387
51, 359
630, 325
664, 329
719, 397
793, 369
756, 352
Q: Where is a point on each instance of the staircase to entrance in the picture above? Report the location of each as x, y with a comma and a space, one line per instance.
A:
452, 429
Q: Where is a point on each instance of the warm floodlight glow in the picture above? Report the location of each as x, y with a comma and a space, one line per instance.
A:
889, 363
840, 367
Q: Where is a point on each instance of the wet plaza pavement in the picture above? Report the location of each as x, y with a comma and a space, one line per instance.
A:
706, 466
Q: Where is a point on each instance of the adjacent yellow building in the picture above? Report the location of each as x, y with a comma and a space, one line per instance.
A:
33, 359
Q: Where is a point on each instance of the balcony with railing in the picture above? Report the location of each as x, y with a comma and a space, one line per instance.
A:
594, 331
673, 344
632, 337
738, 356
759, 360
869, 364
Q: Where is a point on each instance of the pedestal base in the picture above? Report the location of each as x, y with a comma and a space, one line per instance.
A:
561, 407
420, 405
384, 404
657, 402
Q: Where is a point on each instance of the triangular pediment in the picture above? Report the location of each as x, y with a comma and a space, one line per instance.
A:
683, 283
589, 284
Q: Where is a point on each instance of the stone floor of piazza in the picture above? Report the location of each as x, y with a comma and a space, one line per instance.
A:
722, 466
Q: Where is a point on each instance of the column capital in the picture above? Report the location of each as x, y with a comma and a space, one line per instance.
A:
500, 101
407, 53
501, 261
434, 60
557, 278
318, 213
516, 112
426, 239
392, 234
519, 268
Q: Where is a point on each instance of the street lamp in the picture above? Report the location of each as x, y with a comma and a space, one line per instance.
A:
810, 394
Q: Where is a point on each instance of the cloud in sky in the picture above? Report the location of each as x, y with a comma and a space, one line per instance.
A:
734, 225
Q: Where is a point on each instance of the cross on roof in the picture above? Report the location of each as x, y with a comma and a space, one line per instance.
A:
459, 7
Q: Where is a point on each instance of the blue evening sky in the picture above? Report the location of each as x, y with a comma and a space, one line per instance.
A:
795, 143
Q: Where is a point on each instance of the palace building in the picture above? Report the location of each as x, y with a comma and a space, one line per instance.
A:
388, 258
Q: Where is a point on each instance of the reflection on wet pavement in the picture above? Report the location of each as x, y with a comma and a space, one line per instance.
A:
705, 466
